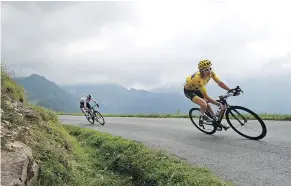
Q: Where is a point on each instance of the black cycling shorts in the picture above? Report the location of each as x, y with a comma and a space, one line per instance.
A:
192, 93
87, 105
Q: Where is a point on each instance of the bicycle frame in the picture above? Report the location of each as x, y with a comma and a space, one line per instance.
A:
222, 100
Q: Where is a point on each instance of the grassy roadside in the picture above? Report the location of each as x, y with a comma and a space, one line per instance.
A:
70, 155
280, 117
144, 166
62, 160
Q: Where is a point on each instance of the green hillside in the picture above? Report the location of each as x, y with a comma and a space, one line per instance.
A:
45, 93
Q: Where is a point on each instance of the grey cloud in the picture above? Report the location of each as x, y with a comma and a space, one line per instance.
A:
46, 6
36, 34
123, 71
33, 29
275, 65
29, 28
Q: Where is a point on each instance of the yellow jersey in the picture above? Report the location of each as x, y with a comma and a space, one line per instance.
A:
196, 82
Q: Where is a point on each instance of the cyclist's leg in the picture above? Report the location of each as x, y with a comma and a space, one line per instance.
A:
88, 106
82, 107
201, 102
197, 98
209, 108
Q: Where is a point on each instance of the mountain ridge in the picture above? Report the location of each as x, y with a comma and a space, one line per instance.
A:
258, 95
43, 92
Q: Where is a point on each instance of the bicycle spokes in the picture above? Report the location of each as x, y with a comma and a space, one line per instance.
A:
237, 117
246, 122
195, 116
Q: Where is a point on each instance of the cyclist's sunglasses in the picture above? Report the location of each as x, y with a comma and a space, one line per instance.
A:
206, 70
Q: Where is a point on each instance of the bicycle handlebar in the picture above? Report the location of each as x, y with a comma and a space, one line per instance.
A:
232, 92
235, 91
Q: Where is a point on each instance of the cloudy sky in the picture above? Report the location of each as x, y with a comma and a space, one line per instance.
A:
146, 44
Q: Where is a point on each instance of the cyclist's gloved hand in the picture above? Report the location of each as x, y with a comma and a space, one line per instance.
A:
236, 91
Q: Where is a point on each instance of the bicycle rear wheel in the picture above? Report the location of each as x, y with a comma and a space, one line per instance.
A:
236, 113
99, 118
89, 118
194, 113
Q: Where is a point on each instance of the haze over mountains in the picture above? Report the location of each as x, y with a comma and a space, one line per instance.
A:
271, 95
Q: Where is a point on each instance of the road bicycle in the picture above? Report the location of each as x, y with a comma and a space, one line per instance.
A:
232, 113
93, 115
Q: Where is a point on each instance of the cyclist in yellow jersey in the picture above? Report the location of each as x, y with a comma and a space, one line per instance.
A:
195, 90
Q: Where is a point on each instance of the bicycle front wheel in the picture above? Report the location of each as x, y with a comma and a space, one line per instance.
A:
99, 118
237, 120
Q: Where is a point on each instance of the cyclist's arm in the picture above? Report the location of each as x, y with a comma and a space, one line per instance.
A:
95, 101
219, 82
207, 97
224, 86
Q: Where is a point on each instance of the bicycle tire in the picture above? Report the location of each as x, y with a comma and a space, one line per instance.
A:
264, 128
89, 119
96, 112
90, 116
190, 115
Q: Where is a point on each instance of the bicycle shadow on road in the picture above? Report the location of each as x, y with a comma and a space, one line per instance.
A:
224, 138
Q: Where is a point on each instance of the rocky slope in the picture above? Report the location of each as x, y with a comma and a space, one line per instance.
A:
18, 166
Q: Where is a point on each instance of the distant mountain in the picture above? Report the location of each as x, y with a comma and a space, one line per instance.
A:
118, 99
271, 95
43, 92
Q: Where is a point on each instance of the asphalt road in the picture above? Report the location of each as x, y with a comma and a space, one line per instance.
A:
229, 155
